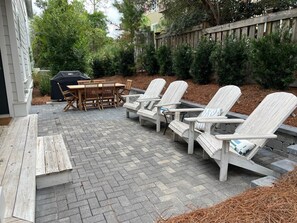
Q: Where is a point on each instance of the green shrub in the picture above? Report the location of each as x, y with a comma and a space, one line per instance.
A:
150, 61
165, 60
36, 78
98, 68
103, 66
126, 61
45, 85
202, 69
182, 59
274, 59
230, 61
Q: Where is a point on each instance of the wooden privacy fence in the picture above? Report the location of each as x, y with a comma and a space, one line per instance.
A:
252, 28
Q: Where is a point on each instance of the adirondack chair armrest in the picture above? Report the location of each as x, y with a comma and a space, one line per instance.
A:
228, 137
128, 96
214, 119
131, 95
148, 99
161, 105
185, 109
177, 111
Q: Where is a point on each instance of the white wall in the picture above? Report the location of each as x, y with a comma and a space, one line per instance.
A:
15, 48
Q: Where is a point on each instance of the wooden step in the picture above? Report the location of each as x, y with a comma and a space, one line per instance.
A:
53, 166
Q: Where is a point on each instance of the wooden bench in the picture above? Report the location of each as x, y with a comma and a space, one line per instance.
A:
53, 166
17, 170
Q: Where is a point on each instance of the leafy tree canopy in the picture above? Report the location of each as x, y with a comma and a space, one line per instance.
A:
64, 35
132, 15
183, 14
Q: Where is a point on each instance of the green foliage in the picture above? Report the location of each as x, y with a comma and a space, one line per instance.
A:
60, 36
202, 69
230, 60
64, 36
98, 20
132, 18
104, 66
165, 60
45, 84
180, 15
150, 60
36, 78
182, 59
97, 33
274, 59
98, 68
126, 61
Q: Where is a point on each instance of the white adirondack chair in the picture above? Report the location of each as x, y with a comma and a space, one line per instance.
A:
169, 100
221, 102
152, 92
257, 129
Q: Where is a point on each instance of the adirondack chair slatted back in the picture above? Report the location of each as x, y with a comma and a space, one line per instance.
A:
267, 117
155, 87
173, 94
225, 98
153, 90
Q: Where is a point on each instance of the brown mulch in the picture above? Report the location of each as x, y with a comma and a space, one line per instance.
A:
5, 121
251, 96
274, 204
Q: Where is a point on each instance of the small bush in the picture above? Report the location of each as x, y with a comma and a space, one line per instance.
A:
165, 60
103, 66
36, 78
98, 68
45, 85
202, 69
126, 61
274, 59
150, 61
230, 61
182, 60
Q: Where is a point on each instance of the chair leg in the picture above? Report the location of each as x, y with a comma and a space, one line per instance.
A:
174, 137
140, 120
191, 138
158, 124
127, 114
224, 161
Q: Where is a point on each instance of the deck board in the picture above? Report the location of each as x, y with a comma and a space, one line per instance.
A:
17, 169
25, 199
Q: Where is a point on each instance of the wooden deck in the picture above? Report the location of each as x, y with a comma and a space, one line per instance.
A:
17, 169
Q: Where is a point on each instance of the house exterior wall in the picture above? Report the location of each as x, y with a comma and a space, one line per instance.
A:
15, 50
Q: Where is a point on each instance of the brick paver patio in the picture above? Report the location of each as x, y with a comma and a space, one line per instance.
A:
124, 172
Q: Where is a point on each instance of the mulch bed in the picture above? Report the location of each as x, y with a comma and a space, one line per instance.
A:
274, 204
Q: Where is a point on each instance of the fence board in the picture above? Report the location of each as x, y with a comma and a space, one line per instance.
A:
252, 32
260, 30
252, 28
294, 30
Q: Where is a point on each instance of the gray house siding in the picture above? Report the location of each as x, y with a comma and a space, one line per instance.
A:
15, 50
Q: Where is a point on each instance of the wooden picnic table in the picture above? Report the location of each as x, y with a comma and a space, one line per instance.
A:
79, 89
